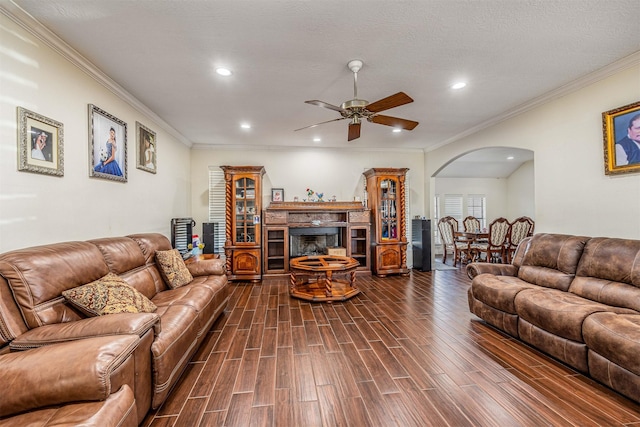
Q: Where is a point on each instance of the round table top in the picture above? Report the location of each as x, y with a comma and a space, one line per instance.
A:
323, 263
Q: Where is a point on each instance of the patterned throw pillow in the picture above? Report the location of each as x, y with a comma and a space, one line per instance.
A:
173, 268
108, 295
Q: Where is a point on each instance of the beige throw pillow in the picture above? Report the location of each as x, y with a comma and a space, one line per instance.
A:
107, 295
173, 269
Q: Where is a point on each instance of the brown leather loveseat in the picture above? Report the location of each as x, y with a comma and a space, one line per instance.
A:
576, 298
60, 366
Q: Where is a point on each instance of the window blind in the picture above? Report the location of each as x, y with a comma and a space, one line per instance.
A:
453, 206
217, 205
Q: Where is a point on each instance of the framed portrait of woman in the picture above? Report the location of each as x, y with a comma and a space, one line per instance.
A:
147, 146
107, 145
40, 144
621, 134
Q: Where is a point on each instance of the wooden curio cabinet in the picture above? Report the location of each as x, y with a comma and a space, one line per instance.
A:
386, 198
243, 202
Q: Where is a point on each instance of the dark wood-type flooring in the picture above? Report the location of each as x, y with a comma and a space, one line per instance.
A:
404, 352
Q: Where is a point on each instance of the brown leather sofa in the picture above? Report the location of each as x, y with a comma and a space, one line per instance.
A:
576, 298
57, 363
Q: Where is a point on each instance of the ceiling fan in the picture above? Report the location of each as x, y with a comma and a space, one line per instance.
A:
357, 109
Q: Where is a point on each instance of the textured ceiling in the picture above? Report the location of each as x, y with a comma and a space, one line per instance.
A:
283, 52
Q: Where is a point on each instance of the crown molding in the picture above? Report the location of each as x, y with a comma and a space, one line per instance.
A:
601, 74
247, 147
19, 16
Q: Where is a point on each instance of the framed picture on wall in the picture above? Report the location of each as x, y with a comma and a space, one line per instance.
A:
621, 133
40, 144
146, 152
107, 145
277, 195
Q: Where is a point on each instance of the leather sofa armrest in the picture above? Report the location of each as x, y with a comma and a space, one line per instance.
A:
62, 373
476, 268
107, 325
207, 267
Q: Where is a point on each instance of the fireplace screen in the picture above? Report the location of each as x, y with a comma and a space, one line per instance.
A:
313, 241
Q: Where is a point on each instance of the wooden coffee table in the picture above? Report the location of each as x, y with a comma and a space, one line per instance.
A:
323, 278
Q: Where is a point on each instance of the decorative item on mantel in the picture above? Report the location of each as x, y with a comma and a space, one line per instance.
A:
310, 194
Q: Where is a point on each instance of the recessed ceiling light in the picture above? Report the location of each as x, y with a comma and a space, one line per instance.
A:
458, 85
396, 130
510, 158
223, 71
317, 139
245, 125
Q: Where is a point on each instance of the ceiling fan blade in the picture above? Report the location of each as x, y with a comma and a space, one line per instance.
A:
324, 105
354, 131
321, 123
393, 122
389, 102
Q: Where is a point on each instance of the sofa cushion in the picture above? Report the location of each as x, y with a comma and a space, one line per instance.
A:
37, 291
107, 295
118, 410
173, 268
499, 291
557, 312
551, 260
609, 272
615, 337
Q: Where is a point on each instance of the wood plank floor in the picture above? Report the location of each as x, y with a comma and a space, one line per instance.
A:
404, 352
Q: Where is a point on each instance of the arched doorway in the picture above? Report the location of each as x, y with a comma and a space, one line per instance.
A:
489, 183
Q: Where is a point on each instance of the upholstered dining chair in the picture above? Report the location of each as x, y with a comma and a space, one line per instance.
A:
520, 228
471, 224
448, 226
494, 249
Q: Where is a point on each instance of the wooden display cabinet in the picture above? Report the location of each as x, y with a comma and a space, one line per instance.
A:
243, 202
386, 196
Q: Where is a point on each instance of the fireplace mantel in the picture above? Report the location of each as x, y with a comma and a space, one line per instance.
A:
316, 206
351, 218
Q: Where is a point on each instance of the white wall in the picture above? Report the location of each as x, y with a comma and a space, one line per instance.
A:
521, 192
38, 209
572, 193
330, 171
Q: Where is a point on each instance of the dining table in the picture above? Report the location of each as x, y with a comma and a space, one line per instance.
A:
471, 237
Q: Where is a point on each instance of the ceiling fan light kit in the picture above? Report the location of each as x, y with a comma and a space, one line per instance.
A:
357, 109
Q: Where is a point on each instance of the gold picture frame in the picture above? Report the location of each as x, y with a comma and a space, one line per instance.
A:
621, 134
40, 144
146, 149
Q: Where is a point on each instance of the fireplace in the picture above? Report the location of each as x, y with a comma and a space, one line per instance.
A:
296, 229
307, 241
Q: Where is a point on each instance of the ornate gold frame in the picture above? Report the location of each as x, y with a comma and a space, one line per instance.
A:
614, 128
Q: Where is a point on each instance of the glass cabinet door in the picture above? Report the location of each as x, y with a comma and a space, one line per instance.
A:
388, 220
245, 206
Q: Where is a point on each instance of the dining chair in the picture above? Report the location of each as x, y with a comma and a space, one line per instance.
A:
459, 248
520, 228
494, 249
471, 224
